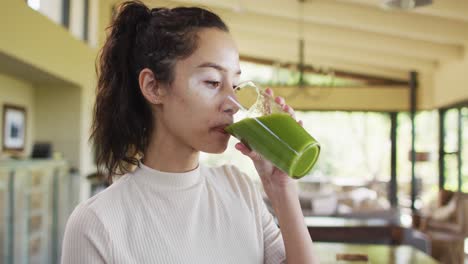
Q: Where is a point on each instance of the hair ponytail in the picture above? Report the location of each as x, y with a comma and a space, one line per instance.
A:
118, 100
138, 38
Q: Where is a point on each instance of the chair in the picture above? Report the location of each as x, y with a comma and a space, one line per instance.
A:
446, 227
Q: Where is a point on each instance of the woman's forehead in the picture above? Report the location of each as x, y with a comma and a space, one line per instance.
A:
215, 49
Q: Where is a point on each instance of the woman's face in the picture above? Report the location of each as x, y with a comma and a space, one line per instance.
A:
196, 109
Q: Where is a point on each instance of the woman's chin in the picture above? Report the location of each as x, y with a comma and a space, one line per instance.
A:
215, 149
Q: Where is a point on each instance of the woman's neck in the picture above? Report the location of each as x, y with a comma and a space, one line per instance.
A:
167, 153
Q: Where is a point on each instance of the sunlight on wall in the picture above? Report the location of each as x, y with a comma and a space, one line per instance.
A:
34, 4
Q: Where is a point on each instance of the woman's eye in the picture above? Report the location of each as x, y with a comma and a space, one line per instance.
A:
214, 84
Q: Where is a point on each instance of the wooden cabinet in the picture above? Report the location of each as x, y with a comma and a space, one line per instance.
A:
4, 215
34, 205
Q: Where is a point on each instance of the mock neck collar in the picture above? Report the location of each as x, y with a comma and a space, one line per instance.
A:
166, 180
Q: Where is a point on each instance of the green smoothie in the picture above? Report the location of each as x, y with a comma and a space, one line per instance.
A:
278, 138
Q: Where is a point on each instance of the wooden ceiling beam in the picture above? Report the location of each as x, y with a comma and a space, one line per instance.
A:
287, 49
352, 16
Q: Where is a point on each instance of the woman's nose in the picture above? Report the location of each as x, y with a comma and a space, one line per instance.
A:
230, 107
230, 104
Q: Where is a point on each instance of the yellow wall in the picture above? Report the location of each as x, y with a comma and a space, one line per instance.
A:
52, 112
395, 98
58, 115
451, 81
425, 91
105, 16
357, 99
32, 39
18, 92
40, 42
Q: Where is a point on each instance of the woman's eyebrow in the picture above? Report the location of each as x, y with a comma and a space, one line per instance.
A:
215, 66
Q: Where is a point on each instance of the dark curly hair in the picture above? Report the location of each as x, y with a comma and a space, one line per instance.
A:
138, 38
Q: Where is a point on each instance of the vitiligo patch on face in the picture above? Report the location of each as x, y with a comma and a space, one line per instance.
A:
199, 89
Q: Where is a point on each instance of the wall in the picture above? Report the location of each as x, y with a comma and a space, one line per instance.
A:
18, 92
53, 114
104, 19
395, 98
350, 99
37, 41
55, 50
425, 92
58, 115
451, 82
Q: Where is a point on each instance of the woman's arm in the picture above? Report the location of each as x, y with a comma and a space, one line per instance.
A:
283, 195
297, 240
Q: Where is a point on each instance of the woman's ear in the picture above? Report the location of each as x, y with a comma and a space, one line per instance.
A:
151, 89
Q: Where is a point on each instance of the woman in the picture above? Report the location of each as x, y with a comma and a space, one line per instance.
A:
164, 78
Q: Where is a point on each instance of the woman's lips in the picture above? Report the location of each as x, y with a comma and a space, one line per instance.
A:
221, 129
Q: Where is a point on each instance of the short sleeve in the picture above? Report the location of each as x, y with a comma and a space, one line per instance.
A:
85, 240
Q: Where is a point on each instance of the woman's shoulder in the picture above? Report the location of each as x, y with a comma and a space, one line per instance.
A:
88, 227
104, 202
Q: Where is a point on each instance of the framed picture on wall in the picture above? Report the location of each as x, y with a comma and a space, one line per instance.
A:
14, 128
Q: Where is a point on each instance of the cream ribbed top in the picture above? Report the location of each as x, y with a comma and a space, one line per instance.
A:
208, 215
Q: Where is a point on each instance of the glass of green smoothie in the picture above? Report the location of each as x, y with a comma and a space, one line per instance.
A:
263, 126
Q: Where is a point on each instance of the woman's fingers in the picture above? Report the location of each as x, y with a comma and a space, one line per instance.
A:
269, 91
247, 152
289, 110
280, 100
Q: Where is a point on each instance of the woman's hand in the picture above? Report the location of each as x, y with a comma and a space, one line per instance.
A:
273, 179
283, 195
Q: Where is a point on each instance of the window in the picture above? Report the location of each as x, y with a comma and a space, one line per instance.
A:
455, 151
53, 9
86, 20
464, 160
451, 150
354, 144
426, 166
